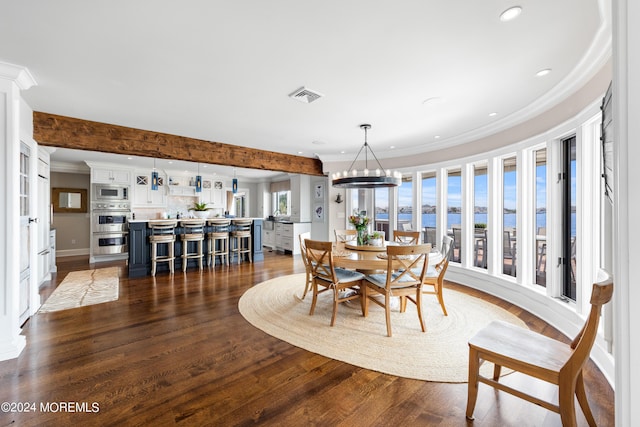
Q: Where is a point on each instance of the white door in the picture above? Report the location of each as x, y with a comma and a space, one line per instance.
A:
27, 236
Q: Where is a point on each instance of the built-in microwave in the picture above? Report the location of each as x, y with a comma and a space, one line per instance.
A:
110, 192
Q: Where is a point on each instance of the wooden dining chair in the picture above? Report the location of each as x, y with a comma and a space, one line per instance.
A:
406, 268
344, 283
345, 235
305, 260
538, 356
435, 274
406, 237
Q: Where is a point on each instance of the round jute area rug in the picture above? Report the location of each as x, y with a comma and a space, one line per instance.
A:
440, 354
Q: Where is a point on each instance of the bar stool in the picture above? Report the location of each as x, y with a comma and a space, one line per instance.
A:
162, 232
218, 239
241, 237
193, 232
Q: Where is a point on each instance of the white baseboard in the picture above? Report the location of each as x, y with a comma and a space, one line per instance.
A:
72, 252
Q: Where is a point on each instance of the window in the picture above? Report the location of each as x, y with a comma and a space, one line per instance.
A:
405, 204
429, 207
509, 215
381, 207
480, 209
282, 202
454, 212
540, 215
569, 238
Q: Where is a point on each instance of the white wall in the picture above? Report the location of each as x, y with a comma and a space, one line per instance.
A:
626, 232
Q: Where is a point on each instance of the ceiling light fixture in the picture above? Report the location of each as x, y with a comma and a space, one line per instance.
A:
363, 179
543, 72
510, 14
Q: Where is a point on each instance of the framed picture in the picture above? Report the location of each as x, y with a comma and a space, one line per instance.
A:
319, 191
217, 185
318, 213
206, 184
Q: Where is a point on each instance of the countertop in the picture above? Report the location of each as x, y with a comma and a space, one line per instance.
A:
157, 219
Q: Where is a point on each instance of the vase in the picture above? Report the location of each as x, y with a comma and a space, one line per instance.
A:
362, 236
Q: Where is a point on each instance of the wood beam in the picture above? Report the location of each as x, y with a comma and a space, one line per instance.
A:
68, 132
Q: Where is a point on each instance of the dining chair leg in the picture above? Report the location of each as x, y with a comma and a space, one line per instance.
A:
315, 298
365, 298
419, 308
566, 404
403, 304
306, 285
441, 298
582, 400
387, 312
472, 389
336, 294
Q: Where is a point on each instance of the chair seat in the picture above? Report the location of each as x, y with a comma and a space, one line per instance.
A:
431, 272
380, 280
522, 345
346, 276
192, 236
162, 238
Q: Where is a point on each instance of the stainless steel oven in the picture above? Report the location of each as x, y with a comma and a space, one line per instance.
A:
110, 227
110, 221
109, 192
110, 243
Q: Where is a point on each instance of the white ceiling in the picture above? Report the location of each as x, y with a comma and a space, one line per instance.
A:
222, 70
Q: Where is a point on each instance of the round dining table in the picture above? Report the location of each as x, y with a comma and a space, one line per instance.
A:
370, 257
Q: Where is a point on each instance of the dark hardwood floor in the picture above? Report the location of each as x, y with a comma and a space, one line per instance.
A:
176, 351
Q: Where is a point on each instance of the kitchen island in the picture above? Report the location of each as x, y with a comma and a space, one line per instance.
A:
140, 248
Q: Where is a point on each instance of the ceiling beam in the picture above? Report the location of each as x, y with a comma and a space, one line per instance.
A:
68, 132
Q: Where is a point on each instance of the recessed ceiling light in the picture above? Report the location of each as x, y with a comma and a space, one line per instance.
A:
543, 72
318, 142
392, 146
342, 152
129, 158
170, 162
510, 14
436, 137
493, 114
299, 152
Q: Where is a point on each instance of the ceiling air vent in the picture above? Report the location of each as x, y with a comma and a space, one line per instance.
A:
305, 95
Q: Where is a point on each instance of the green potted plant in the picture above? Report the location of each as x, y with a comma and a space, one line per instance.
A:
200, 209
375, 238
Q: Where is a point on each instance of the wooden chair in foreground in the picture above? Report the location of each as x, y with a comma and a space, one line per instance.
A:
406, 237
435, 274
406, 268
305, 260
324, 274
541, 357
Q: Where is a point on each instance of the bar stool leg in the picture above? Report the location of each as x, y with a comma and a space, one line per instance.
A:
172, 256
154, 253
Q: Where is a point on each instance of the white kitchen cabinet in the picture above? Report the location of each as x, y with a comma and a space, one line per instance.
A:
107, 175
287, 236
144, 196
182, 190
214, 195
300, 198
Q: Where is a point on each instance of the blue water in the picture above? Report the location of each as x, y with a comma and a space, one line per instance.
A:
429, 220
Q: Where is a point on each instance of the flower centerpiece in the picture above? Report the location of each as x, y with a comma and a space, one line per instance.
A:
360, 223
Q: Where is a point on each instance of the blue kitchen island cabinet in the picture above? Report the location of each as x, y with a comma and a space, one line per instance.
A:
140, 248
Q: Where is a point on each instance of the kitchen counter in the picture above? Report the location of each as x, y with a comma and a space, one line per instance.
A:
140, 248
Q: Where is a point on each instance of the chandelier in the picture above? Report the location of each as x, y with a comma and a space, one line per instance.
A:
366, 178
